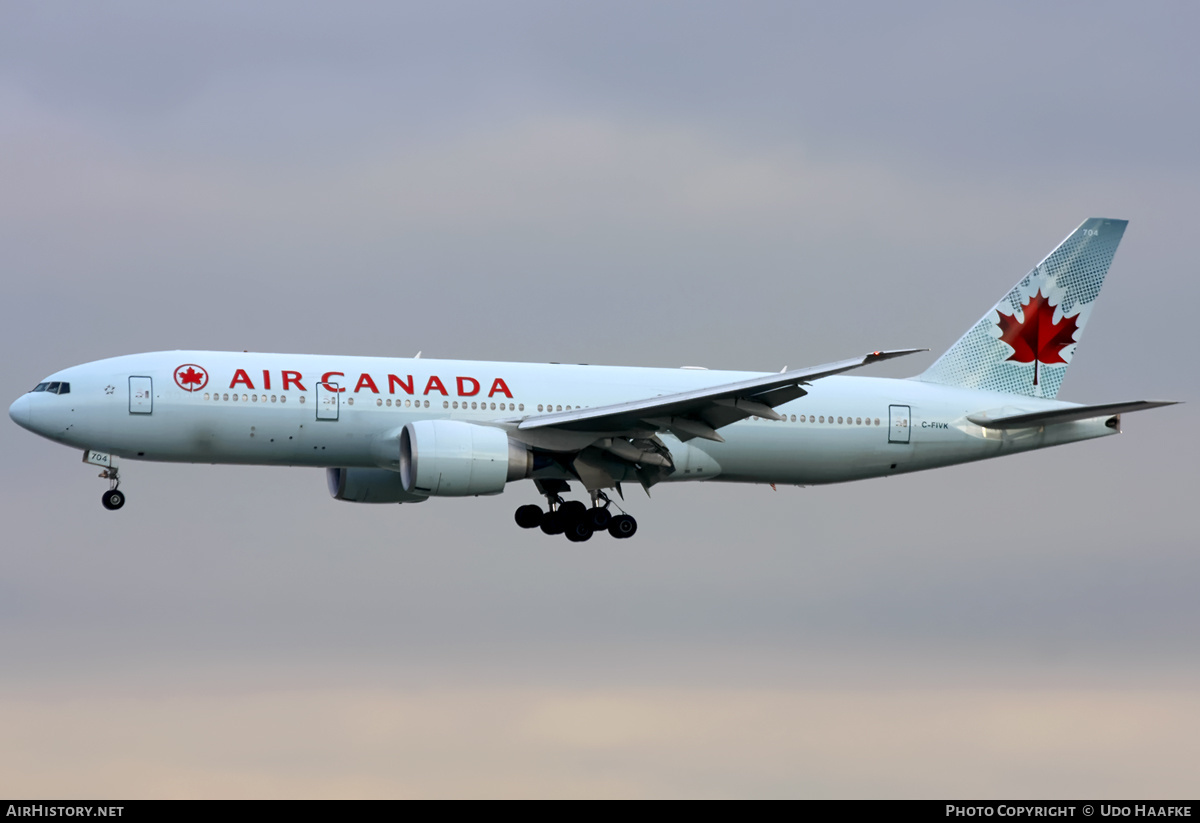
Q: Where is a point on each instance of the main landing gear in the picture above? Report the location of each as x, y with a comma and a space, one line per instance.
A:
576, 520
114, 498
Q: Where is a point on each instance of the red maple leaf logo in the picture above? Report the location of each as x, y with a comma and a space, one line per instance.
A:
193, 379
1038, 339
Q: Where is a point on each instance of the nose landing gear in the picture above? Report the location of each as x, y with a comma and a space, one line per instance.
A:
114, 498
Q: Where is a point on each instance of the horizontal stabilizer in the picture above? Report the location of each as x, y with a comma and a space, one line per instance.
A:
1045, 418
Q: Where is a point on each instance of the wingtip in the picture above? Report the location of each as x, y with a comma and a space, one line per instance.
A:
888, 354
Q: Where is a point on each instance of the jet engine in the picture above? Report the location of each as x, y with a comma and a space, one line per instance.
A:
450, 458
369, 486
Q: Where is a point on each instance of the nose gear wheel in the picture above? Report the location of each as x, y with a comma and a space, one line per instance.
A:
112, 499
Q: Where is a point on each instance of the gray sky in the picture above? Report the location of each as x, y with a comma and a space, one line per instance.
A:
745, 185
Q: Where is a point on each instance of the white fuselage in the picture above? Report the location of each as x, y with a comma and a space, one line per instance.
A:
347, 411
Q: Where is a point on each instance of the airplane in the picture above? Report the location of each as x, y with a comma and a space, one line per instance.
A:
403, 430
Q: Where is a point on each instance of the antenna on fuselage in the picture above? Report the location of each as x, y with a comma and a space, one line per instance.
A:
418, 357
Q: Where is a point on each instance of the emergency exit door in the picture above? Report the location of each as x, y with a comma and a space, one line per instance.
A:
327, 401
899, 418
141, 395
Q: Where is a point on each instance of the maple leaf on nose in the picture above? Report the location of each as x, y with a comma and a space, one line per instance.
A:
189, 377
1037, 338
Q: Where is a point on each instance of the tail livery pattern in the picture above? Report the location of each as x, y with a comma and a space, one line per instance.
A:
1025, 343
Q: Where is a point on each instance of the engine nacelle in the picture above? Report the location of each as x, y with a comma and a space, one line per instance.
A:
369, 486
450, 458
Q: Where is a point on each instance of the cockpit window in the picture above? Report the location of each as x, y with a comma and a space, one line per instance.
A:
53, 388
40, 386
64, 388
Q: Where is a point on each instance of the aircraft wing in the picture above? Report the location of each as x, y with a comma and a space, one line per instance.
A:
700, 412
1044, 418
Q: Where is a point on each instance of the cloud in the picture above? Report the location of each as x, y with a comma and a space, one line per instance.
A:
575, 176
611, 742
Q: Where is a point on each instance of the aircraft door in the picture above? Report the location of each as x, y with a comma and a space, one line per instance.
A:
141, 395
328, 404
899, 418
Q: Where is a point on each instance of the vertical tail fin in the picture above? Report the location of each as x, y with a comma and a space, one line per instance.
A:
1025, 343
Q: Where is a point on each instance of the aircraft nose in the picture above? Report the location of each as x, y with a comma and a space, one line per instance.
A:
20, 412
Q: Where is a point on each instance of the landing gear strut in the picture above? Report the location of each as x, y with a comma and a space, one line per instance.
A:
619, 526
573, 518
114, 498
599, 516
